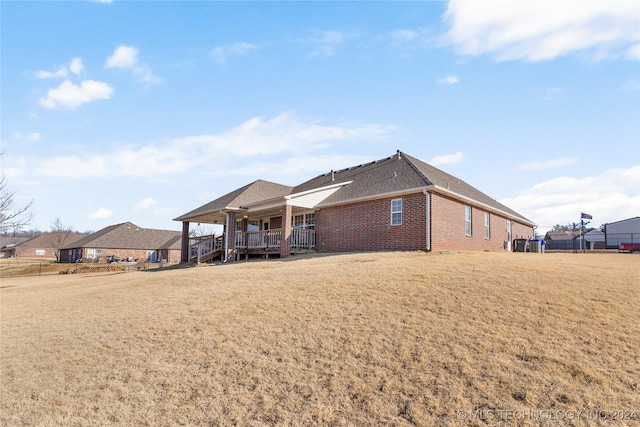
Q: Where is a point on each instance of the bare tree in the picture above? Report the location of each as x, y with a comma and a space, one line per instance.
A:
12, 216
58, 236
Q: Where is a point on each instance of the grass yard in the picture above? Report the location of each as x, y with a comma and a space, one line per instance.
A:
357, 339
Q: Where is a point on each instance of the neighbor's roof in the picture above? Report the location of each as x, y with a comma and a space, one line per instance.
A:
11, 241
562, 235
129, 236
254, 192
46, 240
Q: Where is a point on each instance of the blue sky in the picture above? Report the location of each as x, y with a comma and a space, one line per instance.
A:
141, 111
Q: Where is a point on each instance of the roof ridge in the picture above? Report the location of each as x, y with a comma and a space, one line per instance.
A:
410, 161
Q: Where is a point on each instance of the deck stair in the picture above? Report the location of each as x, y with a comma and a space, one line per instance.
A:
206, 249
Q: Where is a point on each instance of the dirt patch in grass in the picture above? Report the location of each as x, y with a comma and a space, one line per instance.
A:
358, 339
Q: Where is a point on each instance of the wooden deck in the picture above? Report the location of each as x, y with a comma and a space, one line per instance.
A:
267, 242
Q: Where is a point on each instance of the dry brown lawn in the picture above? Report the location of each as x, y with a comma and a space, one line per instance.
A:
356, 339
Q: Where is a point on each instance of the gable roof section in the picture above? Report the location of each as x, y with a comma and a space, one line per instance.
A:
256, 191
399, 174
449, 184
129, 236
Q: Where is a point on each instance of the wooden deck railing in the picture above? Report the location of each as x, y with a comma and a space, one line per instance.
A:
205, 247
271, 239
303, 239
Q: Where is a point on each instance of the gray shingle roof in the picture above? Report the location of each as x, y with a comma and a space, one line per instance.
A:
395, 174
45, 240
254, 192
129, 236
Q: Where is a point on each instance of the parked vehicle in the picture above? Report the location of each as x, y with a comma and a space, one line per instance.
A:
632, 248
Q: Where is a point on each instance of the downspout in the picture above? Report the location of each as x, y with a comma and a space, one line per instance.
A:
427, 203
226, 237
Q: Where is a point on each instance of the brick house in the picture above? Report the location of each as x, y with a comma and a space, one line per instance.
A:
125, 240
44, 245
396, 203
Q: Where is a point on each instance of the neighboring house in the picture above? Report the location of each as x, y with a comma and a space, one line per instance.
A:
42, 246
594, 239
396, 203
565, 240
124, 241
625, 231
8, 245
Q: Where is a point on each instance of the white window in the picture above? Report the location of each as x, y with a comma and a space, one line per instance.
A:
307, 221
94, 253
40, 252
467, 220
396, 212
487, 226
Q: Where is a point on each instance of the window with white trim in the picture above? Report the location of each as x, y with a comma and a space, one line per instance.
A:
396, 212
487, 225
41, 252
94, 253
307, 221
467, 220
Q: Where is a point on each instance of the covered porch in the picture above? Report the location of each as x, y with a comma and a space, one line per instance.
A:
272, 231
267, 242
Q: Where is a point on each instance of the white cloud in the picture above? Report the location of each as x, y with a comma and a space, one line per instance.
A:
543, 30
547, 164
123, 57
60, 73
71, 96
610, 196
76, 66
449, 80
301, 165
101, 213
408, 39
30, 136
127, 57
634, 52
447, 159
145, 75
325, 42
283, 134
146, 203
221, 53
404, 36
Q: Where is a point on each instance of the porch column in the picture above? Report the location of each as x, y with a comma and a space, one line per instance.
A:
184, 249
285, 240
230, 235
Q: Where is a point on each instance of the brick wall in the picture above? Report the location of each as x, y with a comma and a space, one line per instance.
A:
448, 227
31, 252
366, 226
171, 255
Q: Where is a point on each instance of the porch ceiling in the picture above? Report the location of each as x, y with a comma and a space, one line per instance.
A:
209, 218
